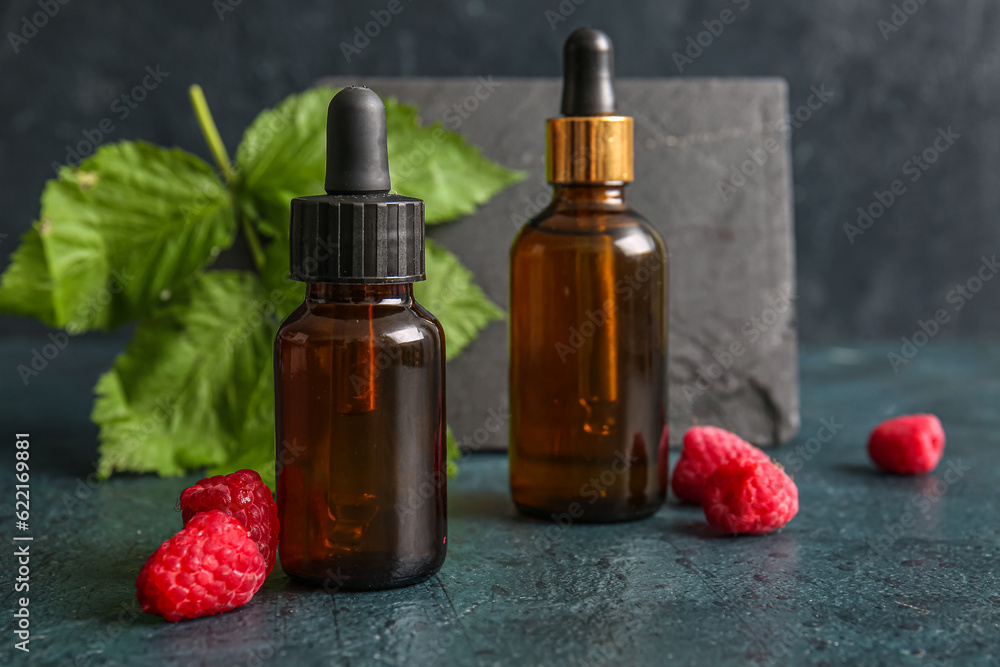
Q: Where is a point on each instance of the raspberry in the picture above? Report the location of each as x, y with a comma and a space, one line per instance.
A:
908, 445
705, 449
750, 497
211, 565
243, 495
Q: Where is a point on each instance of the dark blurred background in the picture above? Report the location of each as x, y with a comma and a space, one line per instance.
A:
898, 71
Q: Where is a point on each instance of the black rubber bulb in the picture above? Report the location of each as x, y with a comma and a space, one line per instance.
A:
357, 158
588, 74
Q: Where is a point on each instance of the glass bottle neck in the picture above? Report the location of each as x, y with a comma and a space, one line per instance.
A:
395, 293
605, 195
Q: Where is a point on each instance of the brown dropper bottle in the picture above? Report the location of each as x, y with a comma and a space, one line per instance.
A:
588, 318
359, 374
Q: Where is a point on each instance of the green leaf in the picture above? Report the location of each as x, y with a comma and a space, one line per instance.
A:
454, 299
454, 454
438, 166
274, 272
254, 446
26, 287
133, 222
283, 156
195, 387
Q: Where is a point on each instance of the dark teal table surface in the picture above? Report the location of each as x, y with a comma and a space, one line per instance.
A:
874, 569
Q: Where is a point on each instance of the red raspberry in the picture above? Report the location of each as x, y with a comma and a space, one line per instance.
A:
705, 449
750, 497
908, 445
243, 495
211, 565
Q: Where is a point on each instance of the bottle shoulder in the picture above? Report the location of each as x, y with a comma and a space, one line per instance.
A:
627, 230
387, 324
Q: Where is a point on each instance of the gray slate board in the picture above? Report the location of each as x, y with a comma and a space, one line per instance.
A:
732, 271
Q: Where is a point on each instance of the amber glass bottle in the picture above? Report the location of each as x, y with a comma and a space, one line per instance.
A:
588, 319
359, 373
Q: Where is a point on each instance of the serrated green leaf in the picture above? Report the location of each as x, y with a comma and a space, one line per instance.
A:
275, 271
26, 287
254, 447
131, 223
195, 386
454, 299
283, 156
439, 166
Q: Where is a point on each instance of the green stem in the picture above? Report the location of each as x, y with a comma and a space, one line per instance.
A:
254, 242
211, 132
218, 149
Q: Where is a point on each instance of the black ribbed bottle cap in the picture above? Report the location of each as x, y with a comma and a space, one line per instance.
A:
358, 232
588, 74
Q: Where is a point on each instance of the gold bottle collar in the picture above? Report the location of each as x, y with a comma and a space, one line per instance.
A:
588, 149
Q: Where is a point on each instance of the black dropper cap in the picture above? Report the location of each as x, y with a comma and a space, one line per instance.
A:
357, 159
589, 74
358, 232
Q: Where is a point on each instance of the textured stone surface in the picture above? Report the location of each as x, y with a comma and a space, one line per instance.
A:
667, 590
731, 257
